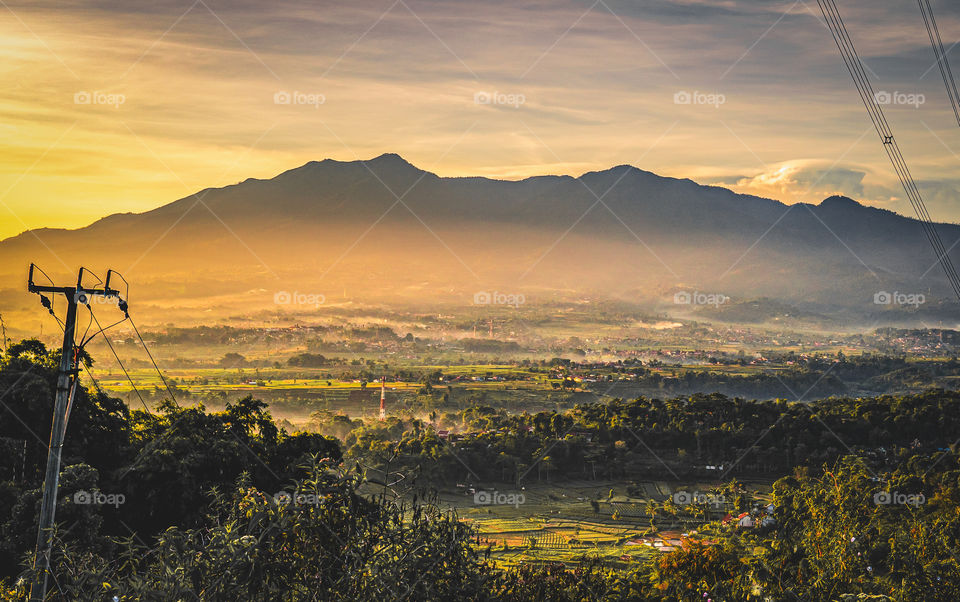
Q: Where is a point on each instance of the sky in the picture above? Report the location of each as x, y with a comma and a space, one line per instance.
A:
115, 107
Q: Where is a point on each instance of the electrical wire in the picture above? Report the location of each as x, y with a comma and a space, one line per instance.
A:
855, 67
39, 269
105, 328
122, 367
126, 311
101, 329
150, 355
868, 96
96, 384
66, 414
937, 44
83, 338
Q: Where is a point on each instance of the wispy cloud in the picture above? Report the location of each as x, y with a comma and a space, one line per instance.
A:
199, 84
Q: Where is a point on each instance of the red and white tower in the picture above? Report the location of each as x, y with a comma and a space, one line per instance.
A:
383, 398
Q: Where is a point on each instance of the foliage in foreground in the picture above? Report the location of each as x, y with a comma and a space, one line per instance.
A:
324, 542
834, 542
174, 540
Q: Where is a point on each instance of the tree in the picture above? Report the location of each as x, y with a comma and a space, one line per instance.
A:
233, 360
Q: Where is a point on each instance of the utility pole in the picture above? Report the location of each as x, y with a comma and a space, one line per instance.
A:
3, 333
383, 398
68, 372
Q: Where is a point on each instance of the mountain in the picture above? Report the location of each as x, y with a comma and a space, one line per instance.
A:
385, 230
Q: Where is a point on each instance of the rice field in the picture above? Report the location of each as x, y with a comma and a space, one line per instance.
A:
558, 523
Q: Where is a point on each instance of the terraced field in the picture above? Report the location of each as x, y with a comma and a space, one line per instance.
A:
558, 523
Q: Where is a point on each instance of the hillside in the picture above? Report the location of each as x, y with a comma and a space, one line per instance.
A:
385, 231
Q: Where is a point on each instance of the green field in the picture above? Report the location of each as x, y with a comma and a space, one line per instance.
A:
557, 522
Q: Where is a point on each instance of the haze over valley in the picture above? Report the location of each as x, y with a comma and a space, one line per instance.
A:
383, 231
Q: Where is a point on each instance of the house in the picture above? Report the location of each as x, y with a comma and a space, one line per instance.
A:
745, 521
443, 434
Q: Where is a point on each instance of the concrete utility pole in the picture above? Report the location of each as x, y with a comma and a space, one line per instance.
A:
383, 398
3, 333
68, 372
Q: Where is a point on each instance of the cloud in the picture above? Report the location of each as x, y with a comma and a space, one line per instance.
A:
599, 86
812, 180
801, 180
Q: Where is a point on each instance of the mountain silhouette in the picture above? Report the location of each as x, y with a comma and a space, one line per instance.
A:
385, 230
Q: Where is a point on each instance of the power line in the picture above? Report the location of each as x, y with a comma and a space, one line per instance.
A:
937, 44
855, 67
126, 312
112, 350
83, 338
96, 384
102, 329
150, 355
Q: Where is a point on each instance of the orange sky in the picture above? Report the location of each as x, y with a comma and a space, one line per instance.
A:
110, 109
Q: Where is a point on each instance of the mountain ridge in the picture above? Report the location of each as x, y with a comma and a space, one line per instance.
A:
619, 232
395, 160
